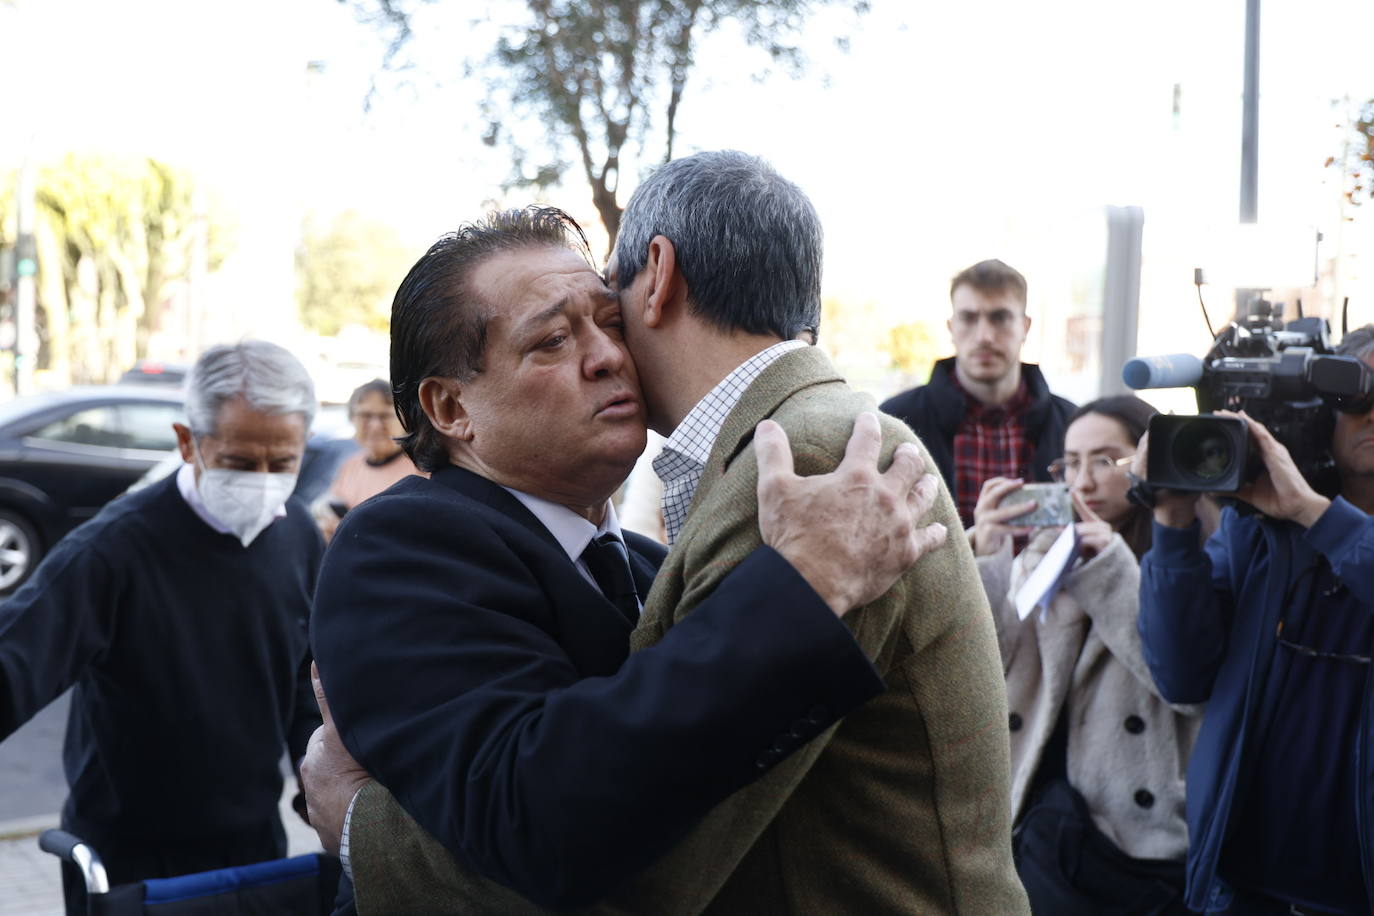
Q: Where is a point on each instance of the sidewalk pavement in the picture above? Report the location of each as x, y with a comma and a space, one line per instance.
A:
30, 884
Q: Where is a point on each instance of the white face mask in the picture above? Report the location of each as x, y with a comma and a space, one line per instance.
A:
245, 502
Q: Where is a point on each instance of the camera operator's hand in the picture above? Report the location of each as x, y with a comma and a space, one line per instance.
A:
1280, 491
990, 528
1093, 534
1173, 509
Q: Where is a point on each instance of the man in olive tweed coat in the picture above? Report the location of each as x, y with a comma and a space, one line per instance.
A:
903, 807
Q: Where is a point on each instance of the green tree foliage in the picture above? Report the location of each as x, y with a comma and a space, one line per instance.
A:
114, 234
346, 273
913, 348
602, 76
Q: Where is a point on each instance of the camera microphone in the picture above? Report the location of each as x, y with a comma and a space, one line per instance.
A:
1177, 370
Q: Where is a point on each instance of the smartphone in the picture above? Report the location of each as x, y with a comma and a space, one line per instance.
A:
1053, 506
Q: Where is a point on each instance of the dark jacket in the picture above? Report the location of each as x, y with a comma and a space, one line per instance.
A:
187, 652
1207, 624
476, 674
934, 411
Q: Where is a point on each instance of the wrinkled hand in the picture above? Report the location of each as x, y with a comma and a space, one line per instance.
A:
990, 517
1173, 508
853, 532
331, 776
1280, 491
1093, 534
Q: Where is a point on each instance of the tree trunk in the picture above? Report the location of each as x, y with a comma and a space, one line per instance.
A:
609, 210
52, 299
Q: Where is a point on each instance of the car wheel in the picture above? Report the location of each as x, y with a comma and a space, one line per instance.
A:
20, 551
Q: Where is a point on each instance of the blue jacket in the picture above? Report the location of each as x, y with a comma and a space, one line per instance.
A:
1207, 621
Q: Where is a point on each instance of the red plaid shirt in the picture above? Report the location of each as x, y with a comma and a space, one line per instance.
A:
990, 442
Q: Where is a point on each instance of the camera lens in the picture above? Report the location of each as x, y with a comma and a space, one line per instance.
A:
1203, 451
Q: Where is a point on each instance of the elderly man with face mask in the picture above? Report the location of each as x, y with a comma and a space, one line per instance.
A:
179, 613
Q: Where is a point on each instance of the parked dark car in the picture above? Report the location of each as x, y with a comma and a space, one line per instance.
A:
152, 372
64, 455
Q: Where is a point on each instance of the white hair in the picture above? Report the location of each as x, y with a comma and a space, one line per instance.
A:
265, 375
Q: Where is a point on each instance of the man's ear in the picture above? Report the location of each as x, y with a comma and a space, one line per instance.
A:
667, 290
185, 444
441, 400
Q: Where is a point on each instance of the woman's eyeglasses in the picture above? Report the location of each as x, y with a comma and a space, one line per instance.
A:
1065, 470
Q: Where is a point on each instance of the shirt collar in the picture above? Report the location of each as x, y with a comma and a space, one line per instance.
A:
572, 532
696, 434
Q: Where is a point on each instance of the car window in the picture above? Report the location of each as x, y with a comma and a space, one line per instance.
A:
149, 426
92, 426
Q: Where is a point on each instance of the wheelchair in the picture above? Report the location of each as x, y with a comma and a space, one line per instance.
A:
298, 886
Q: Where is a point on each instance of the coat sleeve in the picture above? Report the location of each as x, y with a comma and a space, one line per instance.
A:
994, 570
56, 625
1345, 535
305, 712
447, 690
1186, 608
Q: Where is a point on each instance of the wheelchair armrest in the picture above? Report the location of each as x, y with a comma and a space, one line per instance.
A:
73, 849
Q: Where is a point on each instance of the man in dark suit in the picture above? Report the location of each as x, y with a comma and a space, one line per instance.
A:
472, 630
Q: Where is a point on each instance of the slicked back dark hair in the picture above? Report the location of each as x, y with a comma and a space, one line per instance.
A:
1134, 416
439, 322
747, 240
991, 276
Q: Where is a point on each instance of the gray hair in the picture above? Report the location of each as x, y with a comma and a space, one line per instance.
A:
747, 240
378, 386
265, 375
1358, 343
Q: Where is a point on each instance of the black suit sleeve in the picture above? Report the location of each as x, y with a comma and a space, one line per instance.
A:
439, 655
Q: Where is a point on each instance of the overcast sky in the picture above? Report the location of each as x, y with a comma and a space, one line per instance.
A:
949, 132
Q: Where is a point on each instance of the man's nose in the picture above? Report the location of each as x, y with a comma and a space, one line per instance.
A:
604, 354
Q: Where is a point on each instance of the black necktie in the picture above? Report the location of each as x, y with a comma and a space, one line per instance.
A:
609, 565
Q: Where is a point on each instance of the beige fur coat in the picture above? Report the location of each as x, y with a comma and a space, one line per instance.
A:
1128, 749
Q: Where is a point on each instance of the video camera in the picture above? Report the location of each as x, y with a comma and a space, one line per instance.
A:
1283, 375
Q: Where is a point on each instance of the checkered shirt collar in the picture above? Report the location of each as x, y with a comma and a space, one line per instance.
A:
687, 450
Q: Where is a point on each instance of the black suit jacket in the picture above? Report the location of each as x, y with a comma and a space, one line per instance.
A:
477, 675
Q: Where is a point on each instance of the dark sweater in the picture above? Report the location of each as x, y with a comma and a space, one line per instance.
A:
189, 656
934, 412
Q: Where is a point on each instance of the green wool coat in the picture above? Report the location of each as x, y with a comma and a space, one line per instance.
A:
903, 807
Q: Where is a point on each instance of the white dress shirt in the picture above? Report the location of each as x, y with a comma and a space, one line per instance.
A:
572, 531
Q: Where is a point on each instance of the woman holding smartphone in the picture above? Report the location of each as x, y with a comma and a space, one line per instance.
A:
1098, 758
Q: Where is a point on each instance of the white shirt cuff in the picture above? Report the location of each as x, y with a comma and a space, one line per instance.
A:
343, 837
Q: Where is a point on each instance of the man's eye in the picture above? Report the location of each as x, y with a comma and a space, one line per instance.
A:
553, 342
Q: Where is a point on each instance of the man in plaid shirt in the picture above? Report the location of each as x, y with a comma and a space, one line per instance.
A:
985, 413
